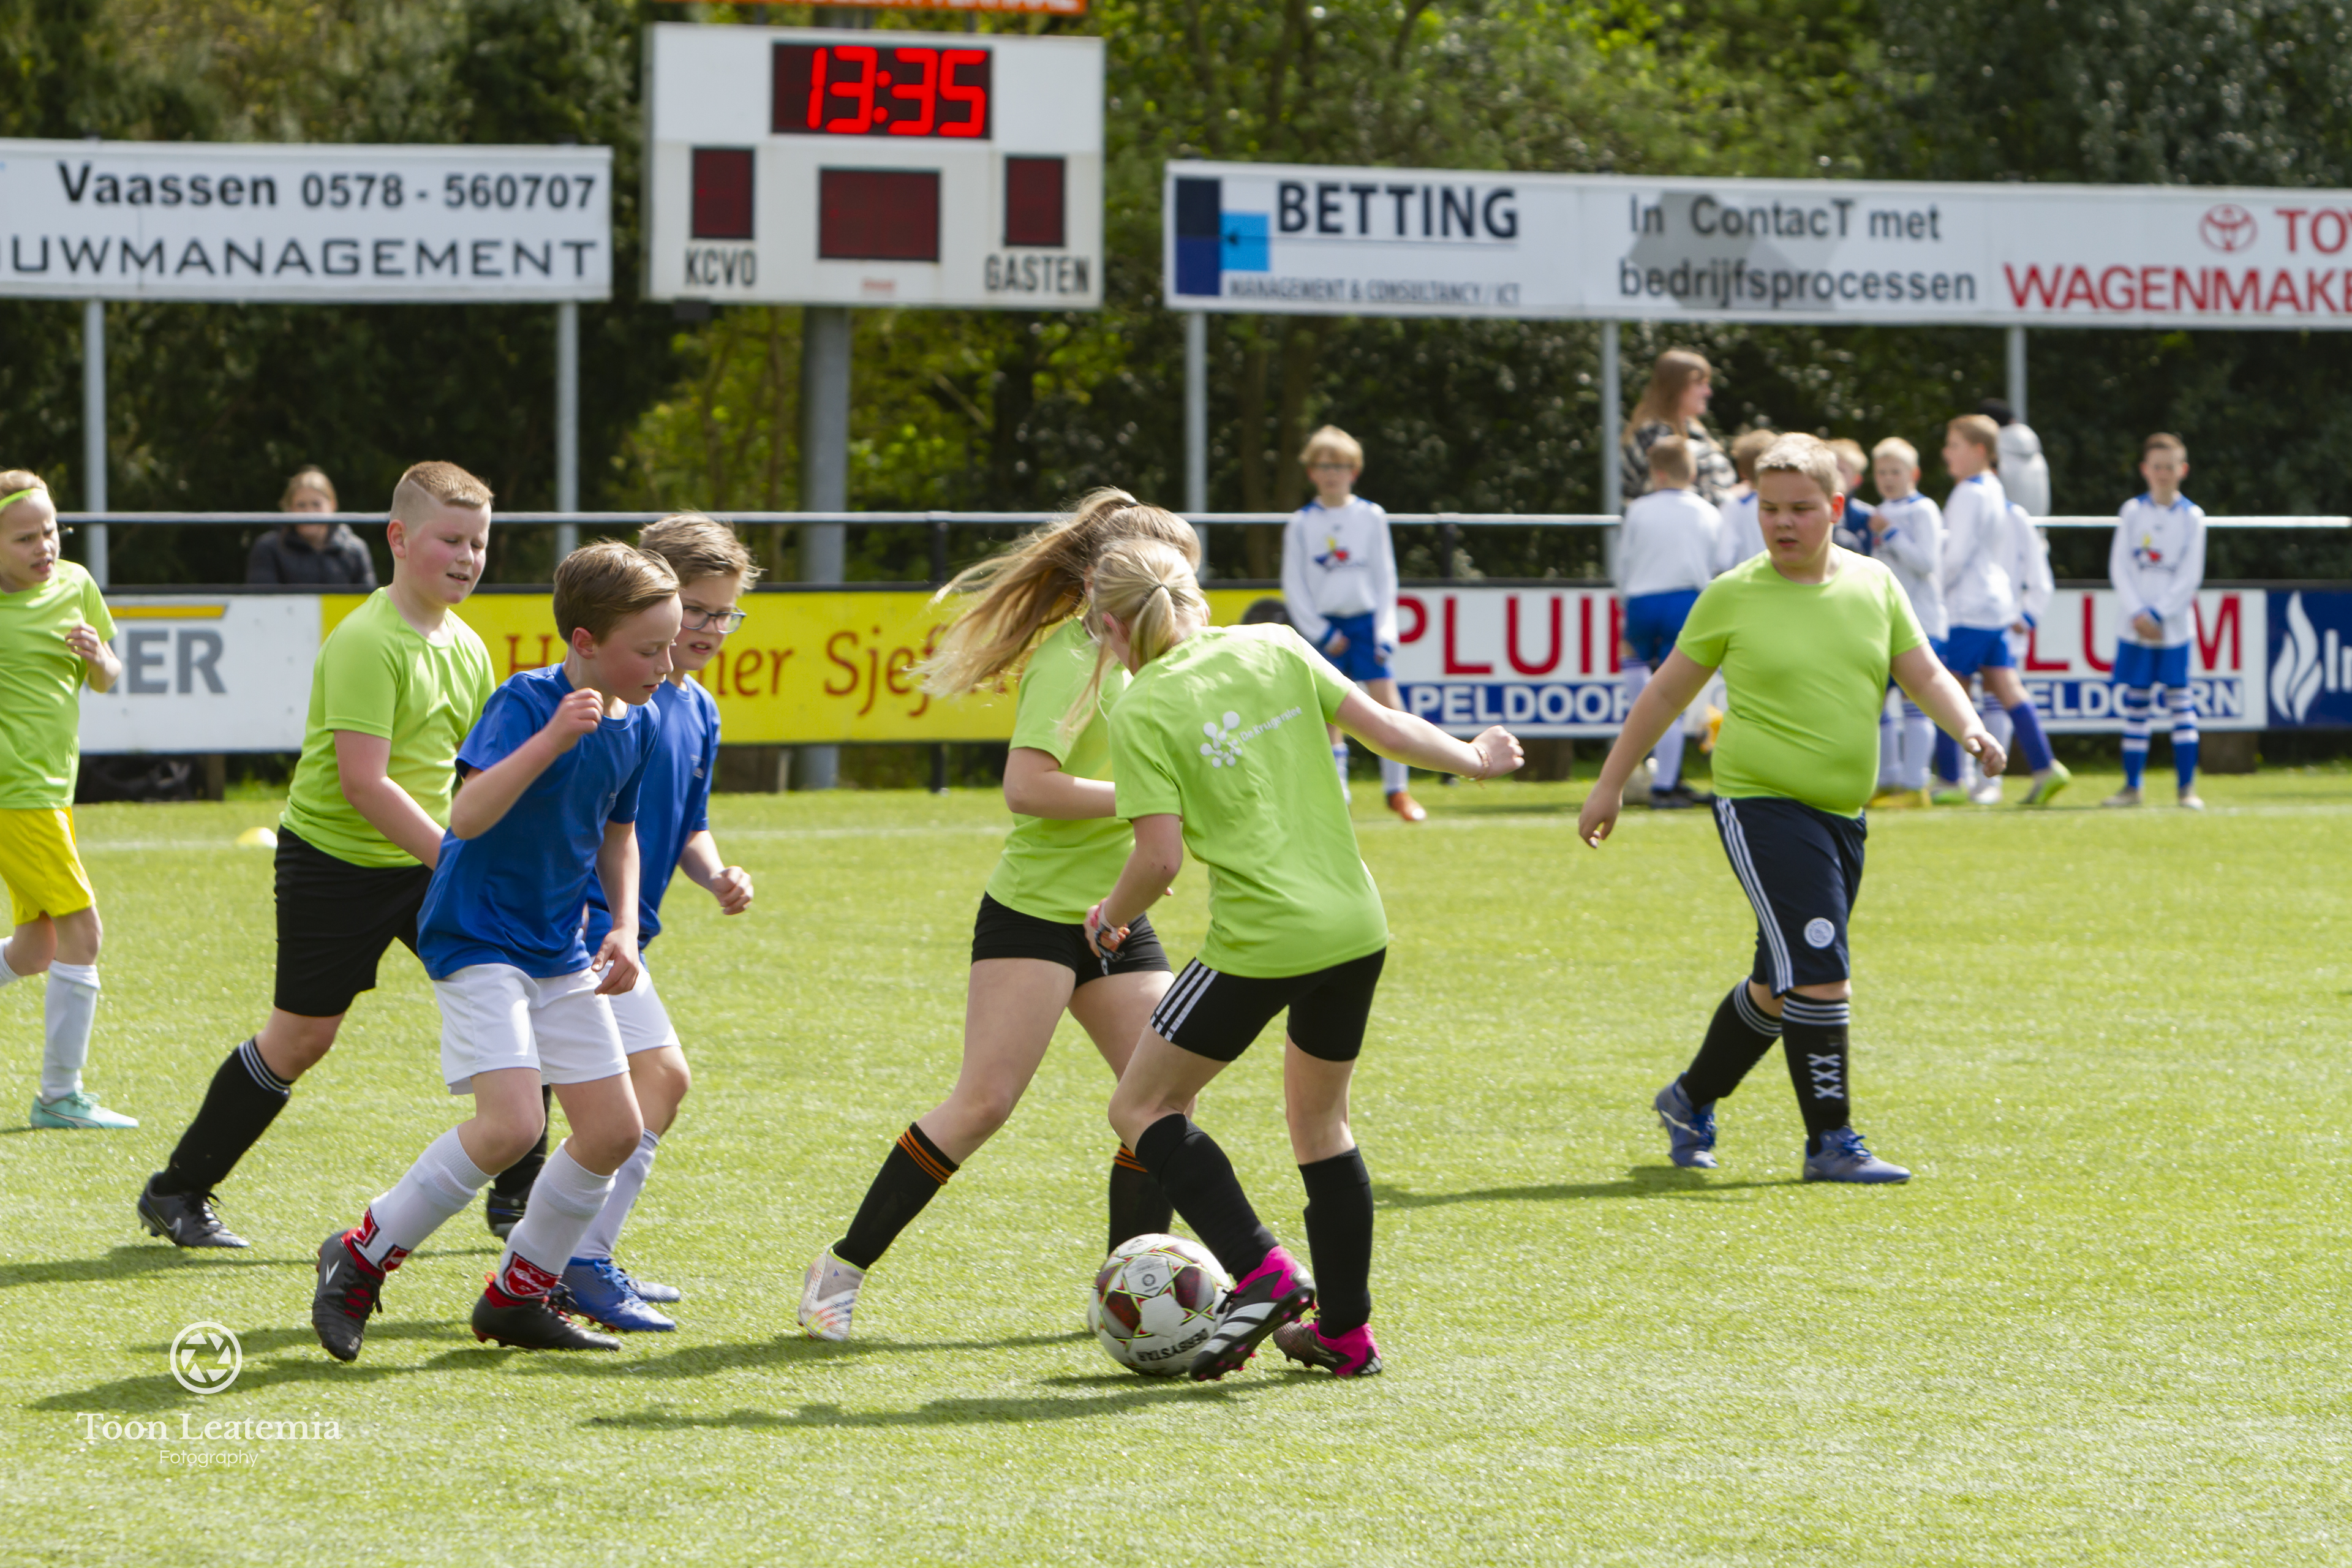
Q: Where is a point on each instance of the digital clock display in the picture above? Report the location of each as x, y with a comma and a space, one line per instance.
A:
879, 89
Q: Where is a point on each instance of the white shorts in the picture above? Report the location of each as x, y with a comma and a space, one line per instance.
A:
644, 1021
493, 1016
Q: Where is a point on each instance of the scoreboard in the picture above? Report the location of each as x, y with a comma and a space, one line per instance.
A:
838, 167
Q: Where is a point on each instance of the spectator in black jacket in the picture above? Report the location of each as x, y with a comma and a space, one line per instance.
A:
317, 555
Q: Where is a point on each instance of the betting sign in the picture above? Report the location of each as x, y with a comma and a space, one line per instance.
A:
823, 166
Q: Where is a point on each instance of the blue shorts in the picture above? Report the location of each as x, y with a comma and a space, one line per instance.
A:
1802, 870
1971, 648
1364, 660
1652, 622
2142, 667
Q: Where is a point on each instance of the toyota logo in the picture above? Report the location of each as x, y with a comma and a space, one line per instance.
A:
2227, 227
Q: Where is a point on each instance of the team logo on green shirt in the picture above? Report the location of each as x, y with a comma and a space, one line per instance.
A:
1223, 746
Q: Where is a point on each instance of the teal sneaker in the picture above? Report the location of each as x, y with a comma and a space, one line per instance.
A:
80, 1109
2045, 788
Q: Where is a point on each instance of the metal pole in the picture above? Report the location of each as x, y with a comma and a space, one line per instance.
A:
1196, 423
567, 423
825, 477
1613, 421
93, 437
2017, 373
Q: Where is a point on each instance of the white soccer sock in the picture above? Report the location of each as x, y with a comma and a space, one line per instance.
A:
7, 976
605, 1230
1340, 761
67, 1010
1997, 721
1670, 756
441, 1181
1394, 775
1918, 747
563, 1201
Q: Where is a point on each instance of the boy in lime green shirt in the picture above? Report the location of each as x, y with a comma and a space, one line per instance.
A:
1806, 635
53, 631
396, 687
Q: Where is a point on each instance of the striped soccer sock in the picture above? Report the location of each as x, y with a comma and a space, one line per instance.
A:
1736, 1038
1137, 1205
2135, 703
1814, 1041
912, 1175
2184, 736
244, 1099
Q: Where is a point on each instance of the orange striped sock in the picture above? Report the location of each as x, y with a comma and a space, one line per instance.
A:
912, 1175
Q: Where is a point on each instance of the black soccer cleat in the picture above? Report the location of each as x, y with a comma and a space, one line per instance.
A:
183, 1220
502, 1212
534, 1326
348, 1291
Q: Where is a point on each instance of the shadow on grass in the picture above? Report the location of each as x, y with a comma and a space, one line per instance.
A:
1640, 1182
126, 1262
1005, 1411
157, 1391
784, 1350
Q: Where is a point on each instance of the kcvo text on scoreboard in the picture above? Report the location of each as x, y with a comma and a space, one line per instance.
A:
1342, 241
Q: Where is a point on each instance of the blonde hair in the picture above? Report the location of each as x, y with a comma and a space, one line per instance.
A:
1896, 447
1038, 583
12, 481
696, 546
605, 582
1661, 400
1978, 430
1337, 442
312, 477
1806, 454
1750, 445
1670, 459
2162, 439
426, 486
1850, 450
1149, 585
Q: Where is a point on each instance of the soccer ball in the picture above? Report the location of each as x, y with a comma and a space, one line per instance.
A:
1154, 1301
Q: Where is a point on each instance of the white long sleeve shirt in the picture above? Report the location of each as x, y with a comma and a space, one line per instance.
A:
2158, 563
1337, 563
2024, 472
1665, 544
1912, 546
2028, 564
1738, 533
1976, 588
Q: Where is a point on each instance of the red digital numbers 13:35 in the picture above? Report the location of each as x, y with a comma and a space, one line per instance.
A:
866, 90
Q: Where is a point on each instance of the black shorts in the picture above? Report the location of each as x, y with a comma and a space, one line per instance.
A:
1801, 870
1218, 1015
334, 921
1001, 932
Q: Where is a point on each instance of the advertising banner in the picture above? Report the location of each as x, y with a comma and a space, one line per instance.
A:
2310, 659
227, 673
271, 221
1543, 661
1438, 242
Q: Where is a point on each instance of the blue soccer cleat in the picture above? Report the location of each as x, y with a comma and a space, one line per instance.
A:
1842, 1158
597, 1289
649, 1291
1690, 1129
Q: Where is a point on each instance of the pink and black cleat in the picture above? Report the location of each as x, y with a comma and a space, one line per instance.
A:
1276, 1292
1352, 1354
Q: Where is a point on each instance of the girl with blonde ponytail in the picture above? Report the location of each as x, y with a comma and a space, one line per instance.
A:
1030, 960
1218, 748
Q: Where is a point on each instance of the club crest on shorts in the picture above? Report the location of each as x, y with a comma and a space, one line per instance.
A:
1819, 933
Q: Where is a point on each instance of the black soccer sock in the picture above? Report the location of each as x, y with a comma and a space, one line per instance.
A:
913, 1172
1815, 1046
1737, 1040
244, 1099
1339, 1234
1137, 1206
513, 1184
1200, 1181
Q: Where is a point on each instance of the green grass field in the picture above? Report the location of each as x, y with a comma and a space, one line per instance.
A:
2104, 1324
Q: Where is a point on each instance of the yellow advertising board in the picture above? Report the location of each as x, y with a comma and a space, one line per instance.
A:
806, 666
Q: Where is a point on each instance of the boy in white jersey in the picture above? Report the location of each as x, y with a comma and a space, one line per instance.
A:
1737, 535
1907, 535
1665, 554
1982, 601
1340, 585
2025, 556
2157, 565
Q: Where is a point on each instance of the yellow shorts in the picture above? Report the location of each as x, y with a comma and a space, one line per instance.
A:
41, 866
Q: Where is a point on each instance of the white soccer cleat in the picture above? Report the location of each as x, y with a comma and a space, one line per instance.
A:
828, 1297
1985, 792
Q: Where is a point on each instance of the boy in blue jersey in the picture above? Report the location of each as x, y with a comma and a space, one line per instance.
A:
552, 774
713, 571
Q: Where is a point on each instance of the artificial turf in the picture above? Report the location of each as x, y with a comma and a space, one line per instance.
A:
2104, 1324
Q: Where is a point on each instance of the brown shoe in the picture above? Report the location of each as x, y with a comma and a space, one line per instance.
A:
1404, 806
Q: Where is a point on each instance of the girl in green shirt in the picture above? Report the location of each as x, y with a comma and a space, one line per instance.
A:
1218, 748
1030, 960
